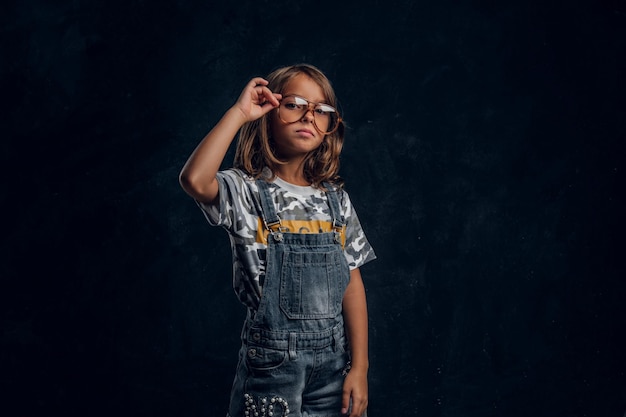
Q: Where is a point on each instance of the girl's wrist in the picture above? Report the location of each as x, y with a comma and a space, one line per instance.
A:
236, 116
361, 367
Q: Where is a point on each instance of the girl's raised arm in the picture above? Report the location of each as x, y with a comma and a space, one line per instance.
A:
198, 176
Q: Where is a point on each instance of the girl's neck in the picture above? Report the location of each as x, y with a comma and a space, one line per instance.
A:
292, 173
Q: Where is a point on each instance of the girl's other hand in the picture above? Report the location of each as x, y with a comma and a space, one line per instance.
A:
354, 394
256, 99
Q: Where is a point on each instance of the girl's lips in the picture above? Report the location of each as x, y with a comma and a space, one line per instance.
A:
305, 132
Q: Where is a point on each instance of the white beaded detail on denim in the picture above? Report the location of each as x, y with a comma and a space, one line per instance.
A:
265, 409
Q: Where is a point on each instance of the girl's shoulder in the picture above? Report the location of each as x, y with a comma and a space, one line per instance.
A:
237, 174
240, 186
240, 175
239, 180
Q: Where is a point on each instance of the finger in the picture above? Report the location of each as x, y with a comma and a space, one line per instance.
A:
359, 404
345, 402
270, 97
267, 97
257, 81
358, 408
252, 90
255, 87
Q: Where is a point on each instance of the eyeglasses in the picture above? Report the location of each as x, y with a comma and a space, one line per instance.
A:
326, 118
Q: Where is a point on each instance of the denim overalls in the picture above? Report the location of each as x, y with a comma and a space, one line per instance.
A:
293, 358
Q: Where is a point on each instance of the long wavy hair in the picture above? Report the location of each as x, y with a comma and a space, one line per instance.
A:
255, 147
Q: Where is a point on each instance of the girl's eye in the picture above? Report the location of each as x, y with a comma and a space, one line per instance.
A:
296, 103
291, 106
323, 109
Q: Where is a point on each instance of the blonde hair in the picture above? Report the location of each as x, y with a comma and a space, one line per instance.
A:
255, 145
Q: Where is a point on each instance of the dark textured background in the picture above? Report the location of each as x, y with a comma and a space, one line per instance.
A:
485, 157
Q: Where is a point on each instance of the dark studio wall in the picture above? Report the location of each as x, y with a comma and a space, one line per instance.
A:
484, 156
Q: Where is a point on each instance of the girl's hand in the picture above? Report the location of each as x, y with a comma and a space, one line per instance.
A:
355, 388
256, 100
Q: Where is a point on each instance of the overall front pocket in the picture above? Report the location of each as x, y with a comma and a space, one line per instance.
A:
312, 285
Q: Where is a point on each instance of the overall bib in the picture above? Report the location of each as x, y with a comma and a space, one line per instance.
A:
293, 358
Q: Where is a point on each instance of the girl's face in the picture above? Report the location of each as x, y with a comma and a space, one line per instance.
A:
296, 139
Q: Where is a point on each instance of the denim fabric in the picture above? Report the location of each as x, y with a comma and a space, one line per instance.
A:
293, 357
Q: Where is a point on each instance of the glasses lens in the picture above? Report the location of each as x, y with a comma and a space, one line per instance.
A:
326, 118
293, 108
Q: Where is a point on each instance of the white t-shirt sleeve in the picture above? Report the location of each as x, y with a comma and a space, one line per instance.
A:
236, 204
358, 250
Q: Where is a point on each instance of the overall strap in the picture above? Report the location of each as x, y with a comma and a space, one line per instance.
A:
268, 213
338, 220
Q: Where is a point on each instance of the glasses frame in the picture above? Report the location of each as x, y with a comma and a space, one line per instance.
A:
311, 108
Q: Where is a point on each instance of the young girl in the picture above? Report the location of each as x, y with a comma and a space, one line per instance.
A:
297, 247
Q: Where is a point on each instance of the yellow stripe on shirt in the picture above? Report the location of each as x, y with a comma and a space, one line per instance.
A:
300, 226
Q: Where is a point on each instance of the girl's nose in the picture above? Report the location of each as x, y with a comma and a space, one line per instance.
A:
308, 115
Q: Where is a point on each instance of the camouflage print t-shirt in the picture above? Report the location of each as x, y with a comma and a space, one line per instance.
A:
304, 209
